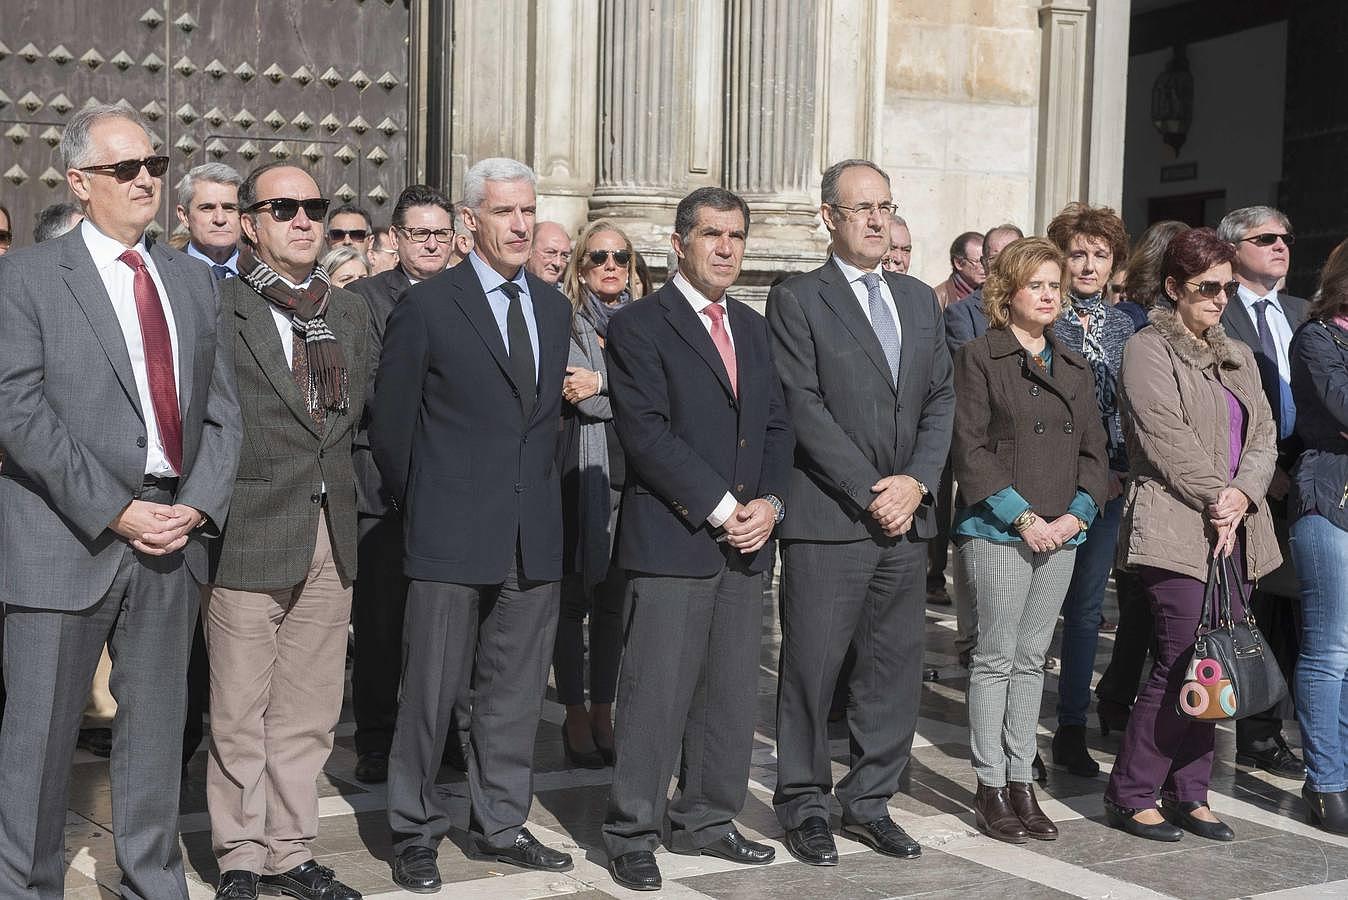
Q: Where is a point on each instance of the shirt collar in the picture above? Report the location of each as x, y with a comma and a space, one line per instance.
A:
232, 263
851, 272
105, 250
1250, 298
695, 298
490, 278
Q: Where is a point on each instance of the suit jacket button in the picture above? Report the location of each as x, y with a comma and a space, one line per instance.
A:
744, 442
315, 498
1038, 427
739, 489
140, 441
1034, 390
519, 488
1067, 428
525, 439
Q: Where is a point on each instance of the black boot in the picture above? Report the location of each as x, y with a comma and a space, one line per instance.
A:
1069, 751
1328, 811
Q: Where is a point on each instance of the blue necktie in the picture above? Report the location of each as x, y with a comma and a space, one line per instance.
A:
220, 272
1285, 411
883, 323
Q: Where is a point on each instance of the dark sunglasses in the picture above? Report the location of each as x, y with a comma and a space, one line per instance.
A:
6, 238
283, 209
341, 234
128, 169
598, 257
1269, 238
1211, 289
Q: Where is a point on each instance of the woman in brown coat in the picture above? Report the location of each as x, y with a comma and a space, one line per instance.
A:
1029, 457
1201, 448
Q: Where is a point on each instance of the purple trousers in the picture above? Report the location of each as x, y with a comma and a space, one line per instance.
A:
1163, 750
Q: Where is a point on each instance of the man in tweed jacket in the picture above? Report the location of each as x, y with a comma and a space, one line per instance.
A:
276, 620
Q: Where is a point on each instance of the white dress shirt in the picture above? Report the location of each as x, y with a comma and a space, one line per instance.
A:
232, 263
853, 276
1277, 323
120, 281
696, 299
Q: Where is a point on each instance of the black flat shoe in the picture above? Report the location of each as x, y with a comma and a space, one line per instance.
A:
737, 848
1182, 814
812, 843
1276, 760
528, 853
1121, 817
1069, 751
1328, 810
372, 767
591, 759
1113, 716
883, 835
1038, 770
97, 741
636, 871
307, 881
237, 884
415, 870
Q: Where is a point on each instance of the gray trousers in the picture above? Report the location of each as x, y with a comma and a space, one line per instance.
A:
689, 676
871, 595
966, 606
510, 629
146, 618
1019, 596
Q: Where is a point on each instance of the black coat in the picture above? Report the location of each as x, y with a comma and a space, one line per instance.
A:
381, 293
1319, 359
688, 440
470, 476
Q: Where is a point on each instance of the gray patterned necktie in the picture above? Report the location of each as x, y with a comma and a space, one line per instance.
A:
882, 320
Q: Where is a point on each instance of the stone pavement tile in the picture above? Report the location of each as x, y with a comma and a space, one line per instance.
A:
579, 812
868, 875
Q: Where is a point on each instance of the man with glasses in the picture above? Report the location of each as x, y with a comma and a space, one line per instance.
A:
6, 231
1265, 318
900, 252
967, 273
551, 252
120, 421
208, 207
350, 226
868, 384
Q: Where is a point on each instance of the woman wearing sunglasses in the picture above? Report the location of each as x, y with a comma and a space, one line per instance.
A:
600, 278
1201, 449
6, 230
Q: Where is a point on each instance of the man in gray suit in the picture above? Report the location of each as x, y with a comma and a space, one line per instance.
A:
121, 426
868, 385
277, 616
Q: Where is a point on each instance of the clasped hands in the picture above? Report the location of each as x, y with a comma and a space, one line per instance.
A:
1226, 513
156, 529
580, 384
750, 526
896, 501
1044, 536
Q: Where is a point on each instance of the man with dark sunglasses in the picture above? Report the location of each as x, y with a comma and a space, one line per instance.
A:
120, 420
1265, 318
350, 226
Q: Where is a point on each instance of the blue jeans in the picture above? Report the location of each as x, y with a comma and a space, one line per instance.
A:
1081, 614
1320, 551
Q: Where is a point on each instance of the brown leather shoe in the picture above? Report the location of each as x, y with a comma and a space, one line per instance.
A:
994, 816
1037, 825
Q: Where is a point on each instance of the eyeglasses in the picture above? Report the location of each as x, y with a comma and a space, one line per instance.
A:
866, 210
6, 238
283, 209
1211, 289
1268, 239
340, 234
422, 235
599, 257
128, 169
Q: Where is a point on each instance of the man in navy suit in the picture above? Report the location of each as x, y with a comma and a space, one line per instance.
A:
699, 410
464, 431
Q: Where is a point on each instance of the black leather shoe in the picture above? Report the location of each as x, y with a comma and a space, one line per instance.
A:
1069, 751
237, 884
1182, 814
415, 870
580, 759
307, 881
528, 853
1038, 770
453, 755
812, 843
1276, 760
1328, 810
97, 741
636, 871
938, 596
737, 848
372, 767
883, 835
1121, 817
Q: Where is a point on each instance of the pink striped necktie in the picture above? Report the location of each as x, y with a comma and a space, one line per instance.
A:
721, 338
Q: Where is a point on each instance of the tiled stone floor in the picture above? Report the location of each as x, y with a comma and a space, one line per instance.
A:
1276, 854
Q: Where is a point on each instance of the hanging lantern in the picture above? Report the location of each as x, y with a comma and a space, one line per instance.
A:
1172, 101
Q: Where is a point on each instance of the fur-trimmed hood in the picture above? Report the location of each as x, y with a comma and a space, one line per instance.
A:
1214, 348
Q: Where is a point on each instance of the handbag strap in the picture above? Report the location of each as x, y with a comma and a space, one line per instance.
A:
1210, 615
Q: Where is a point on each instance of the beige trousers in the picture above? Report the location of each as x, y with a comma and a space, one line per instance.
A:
277, 669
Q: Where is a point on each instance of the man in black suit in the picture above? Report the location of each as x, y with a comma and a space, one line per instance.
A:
867, 378
699, 411
1266, 318
464, 433
423, 223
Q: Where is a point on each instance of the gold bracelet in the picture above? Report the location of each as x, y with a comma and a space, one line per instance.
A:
1024, 520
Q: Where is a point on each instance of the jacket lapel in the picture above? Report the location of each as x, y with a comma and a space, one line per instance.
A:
77, 268
259, 334
1236, 320
908, 330
553, 340
837, 293
679, 313
184, 321
472, 300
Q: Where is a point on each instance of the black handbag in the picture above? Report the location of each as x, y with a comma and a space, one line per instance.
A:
1233, 673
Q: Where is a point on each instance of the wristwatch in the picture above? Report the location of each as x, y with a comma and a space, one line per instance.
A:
1082, 525
778, 506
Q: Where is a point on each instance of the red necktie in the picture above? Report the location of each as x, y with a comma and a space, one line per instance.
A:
721, 338
154, 334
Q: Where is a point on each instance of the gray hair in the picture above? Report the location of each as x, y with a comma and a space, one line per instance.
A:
55, 220
828, 186
337, 257
217, 173
496, 168
75, 140
1238, 221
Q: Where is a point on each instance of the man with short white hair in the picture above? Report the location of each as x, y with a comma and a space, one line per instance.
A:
551, 252
900, 252
208, 207
472, 474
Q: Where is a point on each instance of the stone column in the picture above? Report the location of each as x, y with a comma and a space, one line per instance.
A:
564, 75
1062, 106
1108, 103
